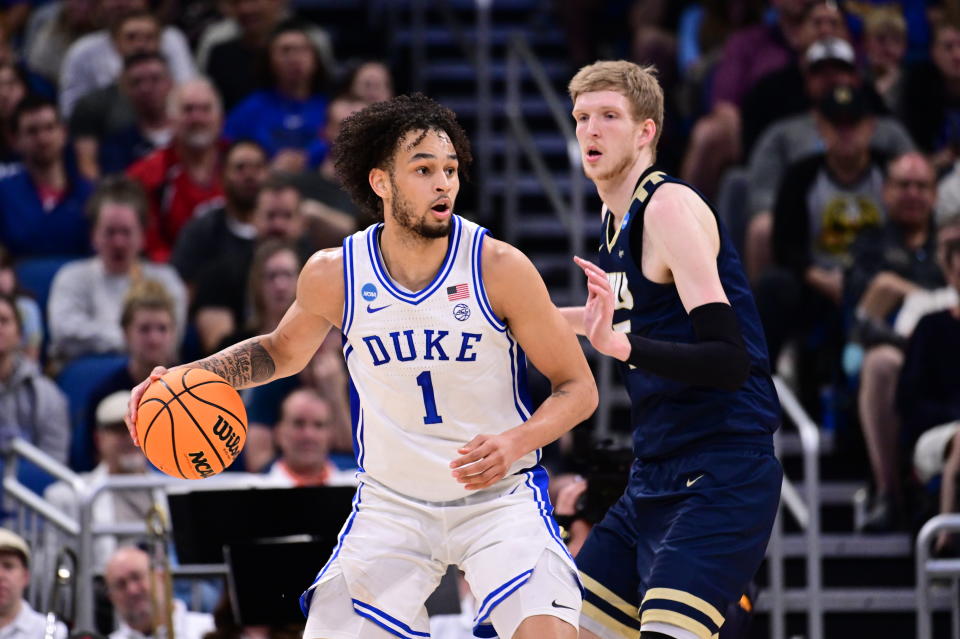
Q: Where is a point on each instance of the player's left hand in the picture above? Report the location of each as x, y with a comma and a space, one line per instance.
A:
484, 460
598, 313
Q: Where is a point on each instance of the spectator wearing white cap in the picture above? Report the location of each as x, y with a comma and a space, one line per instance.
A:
18, 620
118, 456
828, 63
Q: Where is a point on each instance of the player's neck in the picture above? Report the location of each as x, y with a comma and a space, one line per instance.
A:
412, 261
617, 191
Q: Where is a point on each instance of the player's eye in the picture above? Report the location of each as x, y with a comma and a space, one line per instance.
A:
450, 171
422, 170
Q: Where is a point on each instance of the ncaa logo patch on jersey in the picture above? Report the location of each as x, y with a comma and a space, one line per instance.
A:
369, 292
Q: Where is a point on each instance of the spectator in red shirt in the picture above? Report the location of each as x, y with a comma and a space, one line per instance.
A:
185, 178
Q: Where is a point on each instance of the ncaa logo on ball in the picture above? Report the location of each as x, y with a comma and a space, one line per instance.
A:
461, 312
369, 292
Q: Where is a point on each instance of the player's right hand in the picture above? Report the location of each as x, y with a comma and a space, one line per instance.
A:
135, 395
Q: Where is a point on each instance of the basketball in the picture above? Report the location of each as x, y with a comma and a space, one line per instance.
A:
191, 423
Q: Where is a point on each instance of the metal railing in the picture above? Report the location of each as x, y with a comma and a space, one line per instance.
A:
569, 211
805, 507
928, 569
476, 51
47, 529
39, 523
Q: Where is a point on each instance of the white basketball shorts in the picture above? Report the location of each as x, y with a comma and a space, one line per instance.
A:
393, 550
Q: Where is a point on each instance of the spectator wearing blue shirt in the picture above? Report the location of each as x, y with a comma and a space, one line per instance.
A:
42, 206
13, 88
146, 83
287, 117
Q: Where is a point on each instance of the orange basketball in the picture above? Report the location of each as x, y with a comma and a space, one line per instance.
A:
191, 423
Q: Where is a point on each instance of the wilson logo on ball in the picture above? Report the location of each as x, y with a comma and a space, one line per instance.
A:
224, 431
191, 423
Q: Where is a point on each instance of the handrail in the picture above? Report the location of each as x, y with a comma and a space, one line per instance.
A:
794, 503
808, 516
81, 531
56, 517
927, 567
570, 211
418, 45
459, 35
20, 446
481, 63
558, 110
518, 49
479, 58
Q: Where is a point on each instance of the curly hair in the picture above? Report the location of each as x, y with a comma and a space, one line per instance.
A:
369, 138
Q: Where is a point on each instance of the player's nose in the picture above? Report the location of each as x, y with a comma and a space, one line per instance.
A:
592, 129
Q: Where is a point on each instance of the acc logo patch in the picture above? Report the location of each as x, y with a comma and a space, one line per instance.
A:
461, 312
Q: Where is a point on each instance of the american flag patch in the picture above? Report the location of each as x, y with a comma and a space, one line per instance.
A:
458, 292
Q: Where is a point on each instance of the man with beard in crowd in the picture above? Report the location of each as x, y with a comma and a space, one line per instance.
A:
226, 230
184, 179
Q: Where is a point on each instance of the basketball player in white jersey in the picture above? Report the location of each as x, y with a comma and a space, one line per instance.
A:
437, 318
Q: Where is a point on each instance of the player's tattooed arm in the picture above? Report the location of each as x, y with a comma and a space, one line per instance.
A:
244, 364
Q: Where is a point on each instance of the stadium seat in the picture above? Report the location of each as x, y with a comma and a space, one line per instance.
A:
78, 380
35, 275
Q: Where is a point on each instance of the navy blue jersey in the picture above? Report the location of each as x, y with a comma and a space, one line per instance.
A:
669, 416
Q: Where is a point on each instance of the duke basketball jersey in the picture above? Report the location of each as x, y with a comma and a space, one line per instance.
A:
430, 369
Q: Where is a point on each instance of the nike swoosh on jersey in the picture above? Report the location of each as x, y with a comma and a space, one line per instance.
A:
556, 605
691, 482
374, 309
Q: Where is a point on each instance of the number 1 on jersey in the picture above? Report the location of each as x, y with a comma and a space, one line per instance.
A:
425, 382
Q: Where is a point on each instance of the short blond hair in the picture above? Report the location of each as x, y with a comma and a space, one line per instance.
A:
637, 83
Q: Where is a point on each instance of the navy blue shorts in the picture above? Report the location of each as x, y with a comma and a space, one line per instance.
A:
682, 542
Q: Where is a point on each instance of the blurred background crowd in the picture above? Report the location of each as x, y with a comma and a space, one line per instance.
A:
166, 169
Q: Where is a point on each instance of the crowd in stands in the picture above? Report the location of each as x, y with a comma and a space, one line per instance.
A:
828, 135
165, 171
160, 189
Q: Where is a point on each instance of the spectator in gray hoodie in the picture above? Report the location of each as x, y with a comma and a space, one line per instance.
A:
31, 405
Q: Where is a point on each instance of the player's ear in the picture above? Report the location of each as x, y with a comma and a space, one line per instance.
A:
378, 182
647, 132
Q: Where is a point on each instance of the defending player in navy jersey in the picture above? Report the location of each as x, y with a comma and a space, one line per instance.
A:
669, 300
436, 319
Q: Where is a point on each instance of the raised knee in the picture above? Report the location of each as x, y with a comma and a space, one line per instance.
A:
883, 361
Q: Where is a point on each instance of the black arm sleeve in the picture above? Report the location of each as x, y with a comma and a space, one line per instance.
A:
718, 358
